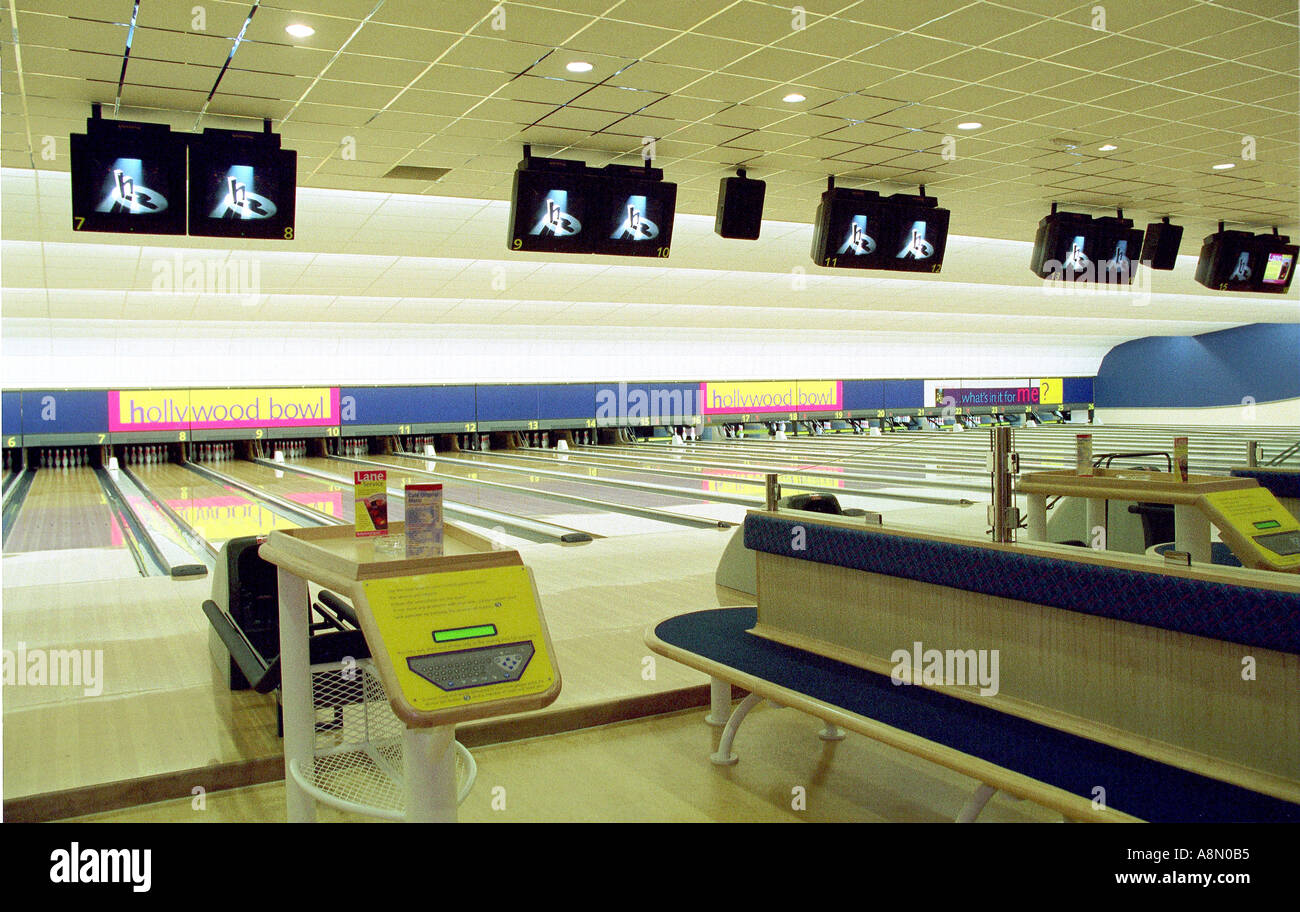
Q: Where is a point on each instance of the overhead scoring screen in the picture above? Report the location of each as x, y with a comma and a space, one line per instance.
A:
128, 177
549, 210
242, 185
635, 217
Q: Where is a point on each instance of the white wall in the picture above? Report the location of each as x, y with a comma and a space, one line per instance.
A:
1284, 413
41, 354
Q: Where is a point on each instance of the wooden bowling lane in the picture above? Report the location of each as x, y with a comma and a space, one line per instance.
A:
65, 509
461, 488
522, 478
216, 512
331, 498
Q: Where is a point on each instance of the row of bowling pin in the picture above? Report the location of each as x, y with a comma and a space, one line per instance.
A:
13, 460
213, 452
417, 444
292, 449
537, 439
733, 430
475, 442
353, 446
66, 458
147, 454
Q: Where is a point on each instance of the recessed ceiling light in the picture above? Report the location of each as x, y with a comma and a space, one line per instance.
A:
300, 31
970, 125
1107, 148
1224, 167
578, 66
794, 98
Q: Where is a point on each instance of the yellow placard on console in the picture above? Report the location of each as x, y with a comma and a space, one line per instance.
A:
462, 638
1260, 531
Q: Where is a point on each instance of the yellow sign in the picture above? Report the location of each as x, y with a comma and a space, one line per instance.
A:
741, 398
462, 638
174, 410
1051, 391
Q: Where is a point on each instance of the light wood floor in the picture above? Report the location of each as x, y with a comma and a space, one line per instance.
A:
165, 709
657, 770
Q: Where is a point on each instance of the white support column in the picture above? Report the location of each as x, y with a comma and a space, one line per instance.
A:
1037, 518
1192, 532
719, 702
1096, 517
430, 759
295, 693
976, 803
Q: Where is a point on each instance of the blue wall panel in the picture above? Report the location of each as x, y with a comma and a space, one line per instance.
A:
664, 402
11, 410
864, 394
406, 404
65, 411
1076, 389
905, 394
506, 403
1220, 368
566, 400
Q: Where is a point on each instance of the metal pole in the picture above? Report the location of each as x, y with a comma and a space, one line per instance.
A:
1003, 514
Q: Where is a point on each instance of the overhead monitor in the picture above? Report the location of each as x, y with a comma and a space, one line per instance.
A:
636, 213
1066, 247
242, 184
128, 177
915, 233
851, 230
1230, 261
552, 205
1118, 247
1277, 261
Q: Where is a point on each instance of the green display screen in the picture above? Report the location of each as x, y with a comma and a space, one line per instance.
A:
1268, 524
464, 633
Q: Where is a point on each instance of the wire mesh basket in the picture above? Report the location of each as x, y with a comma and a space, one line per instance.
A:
358, 759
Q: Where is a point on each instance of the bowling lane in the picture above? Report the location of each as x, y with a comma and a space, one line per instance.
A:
587, 518
742, 473
216, 512
331, 498
65, 509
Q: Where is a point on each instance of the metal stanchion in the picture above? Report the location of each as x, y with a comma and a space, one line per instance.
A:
1003, 465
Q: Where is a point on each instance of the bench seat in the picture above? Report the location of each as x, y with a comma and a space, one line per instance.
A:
1023, 752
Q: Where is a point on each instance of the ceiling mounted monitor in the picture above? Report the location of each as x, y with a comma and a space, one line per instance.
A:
551, 206
1230, 261
243, 185
1118, 247
636, 211
850, 230
128, 177
915, 233
1241, 261
1065, 247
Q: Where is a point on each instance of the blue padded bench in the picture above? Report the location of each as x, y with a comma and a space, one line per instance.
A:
1135, 785
1014, 753
1282, 484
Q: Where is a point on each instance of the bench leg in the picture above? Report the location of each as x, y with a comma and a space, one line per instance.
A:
976, 803
723, 756
719, 702
831, 732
